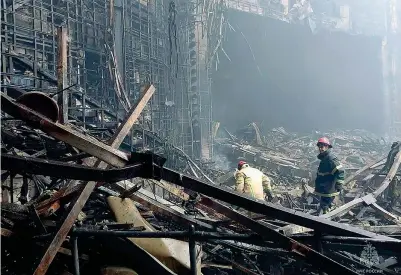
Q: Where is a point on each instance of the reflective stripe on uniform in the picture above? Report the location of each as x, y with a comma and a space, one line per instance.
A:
336, 168
332, 171
323, 174
340, 181
327, 195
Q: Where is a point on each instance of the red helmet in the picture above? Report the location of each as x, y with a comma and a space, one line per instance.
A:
324, 140
241, 163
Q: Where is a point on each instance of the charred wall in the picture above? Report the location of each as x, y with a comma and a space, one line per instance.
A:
283, 75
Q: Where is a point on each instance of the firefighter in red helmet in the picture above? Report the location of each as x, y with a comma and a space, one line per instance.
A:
330, 176
252, 182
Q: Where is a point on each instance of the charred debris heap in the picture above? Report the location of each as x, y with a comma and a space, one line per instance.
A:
73, 203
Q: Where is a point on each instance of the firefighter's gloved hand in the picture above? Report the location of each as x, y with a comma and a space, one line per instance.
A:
339, 187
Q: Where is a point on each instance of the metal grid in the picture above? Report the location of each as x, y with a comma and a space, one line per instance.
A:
145, 60
131, 32
29, 30
110, 41
181, 57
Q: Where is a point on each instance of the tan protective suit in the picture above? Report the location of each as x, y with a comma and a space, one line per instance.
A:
252, 182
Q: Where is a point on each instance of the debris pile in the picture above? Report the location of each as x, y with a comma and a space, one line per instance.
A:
290, 158
75, 204
354, 148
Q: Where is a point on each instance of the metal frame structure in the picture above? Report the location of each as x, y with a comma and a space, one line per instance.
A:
114, 48
181, 74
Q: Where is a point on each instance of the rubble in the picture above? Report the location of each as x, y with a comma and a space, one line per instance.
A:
73, 203
290, 159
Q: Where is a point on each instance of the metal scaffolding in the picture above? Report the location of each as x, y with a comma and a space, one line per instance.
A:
115, 47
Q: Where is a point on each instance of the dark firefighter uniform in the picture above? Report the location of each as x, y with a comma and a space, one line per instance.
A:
329, 179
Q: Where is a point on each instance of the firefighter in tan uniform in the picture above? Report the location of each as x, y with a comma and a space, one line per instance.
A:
252, 182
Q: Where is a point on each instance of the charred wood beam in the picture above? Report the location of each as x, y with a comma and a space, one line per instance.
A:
58, 169
64, 193
64, 133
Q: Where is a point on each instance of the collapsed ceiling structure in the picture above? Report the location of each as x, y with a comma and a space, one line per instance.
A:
110, 154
